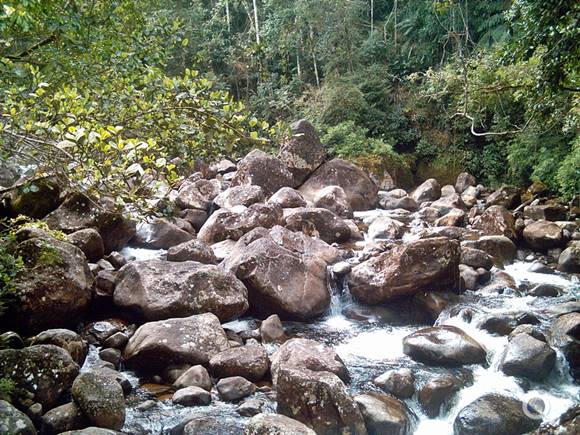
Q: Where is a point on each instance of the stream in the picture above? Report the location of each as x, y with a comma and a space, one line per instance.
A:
369, 340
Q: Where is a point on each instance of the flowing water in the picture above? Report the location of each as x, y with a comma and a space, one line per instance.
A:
369, 340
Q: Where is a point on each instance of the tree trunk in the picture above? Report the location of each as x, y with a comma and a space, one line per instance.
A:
372, 16
228, 20
256, 24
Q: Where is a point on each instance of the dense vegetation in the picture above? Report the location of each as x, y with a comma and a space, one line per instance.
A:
109, 90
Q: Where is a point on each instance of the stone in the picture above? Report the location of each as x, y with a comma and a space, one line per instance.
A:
400, 383
494, 414
301, 151
385, 228
261, 169
90, 242
318, 222
360, 190
272, 330
196, 376
429, 264
469, 276
318, 399
251, 407
569, 259
233, 224
224, 166
496, 221
438, 392
431, 304
250, 362
63, 418
476, 258
41, 373
564, 335
78, 212
447, 190
35, 202
192, 340
286, 197
14, 422
302, 353
100, 399
194, 250
384, 414
55, 291
195, 217
333, 198
506, 196
543, 235
192, 396
448, 203
284, 272
197, 194
160, 234
276, 424
455, 218
235, 388
464, 180
393, 203
443, 345
527, 357
548, 212
68, 340
157, 290
545, 290
239, 195
110, 355
430, 190
502, 249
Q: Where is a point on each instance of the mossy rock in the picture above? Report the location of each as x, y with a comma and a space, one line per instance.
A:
36, 199
395, 165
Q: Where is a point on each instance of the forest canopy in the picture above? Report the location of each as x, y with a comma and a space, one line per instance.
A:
117, 96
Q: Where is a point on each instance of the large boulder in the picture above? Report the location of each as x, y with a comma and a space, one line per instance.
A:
569, 260
443, 345
502, 249
197, 194
302, 151
286, 197
233, 224
250, 362
100, 399
276, 424
190, 340
430, 190
14, 422
437, 392
318, 222
359, 188
506, 196
160, 234
493, 414
384, 414
496, 221
63, 418
318, 399
476, 258
565, 335
90, 242
194, 250
35, 199
157, 290
240, 195
548, 212
41, 374
235, 388
543, 235
334, 198
261, 169
67, 339
55, 289
464, 180
528, 357
385, 228
284, 272
399, 383
302, 353
78, 212
429, 264
447, 203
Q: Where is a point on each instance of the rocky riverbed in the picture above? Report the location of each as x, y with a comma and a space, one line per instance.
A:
295, 294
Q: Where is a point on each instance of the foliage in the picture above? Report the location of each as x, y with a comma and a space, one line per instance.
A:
10, 267
7, 387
